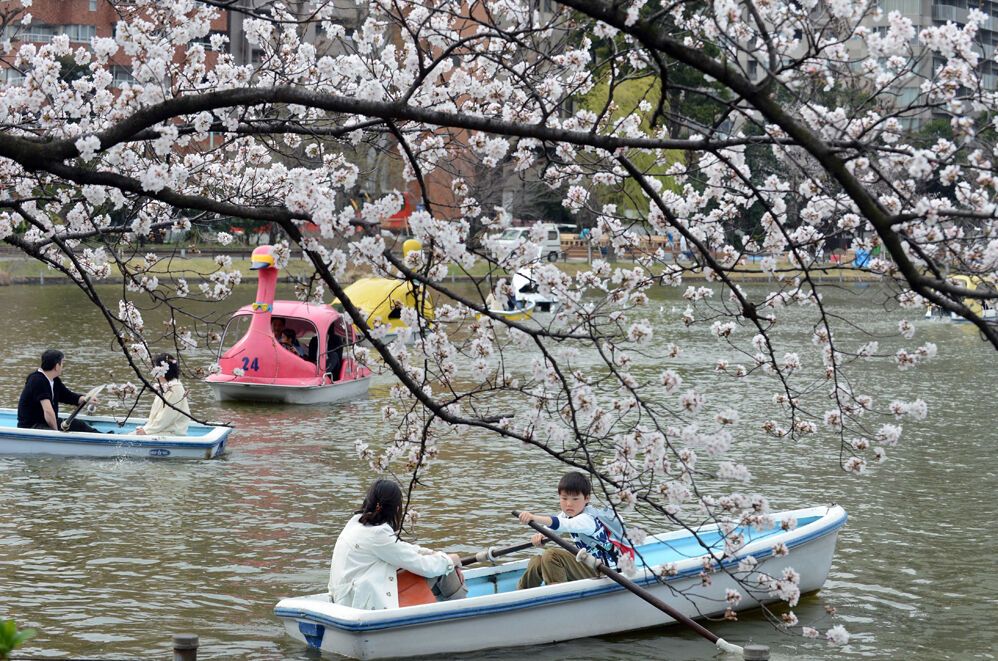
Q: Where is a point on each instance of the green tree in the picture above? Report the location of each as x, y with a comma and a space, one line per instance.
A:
620, 99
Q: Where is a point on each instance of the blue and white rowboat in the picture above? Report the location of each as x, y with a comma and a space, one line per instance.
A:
201, 442
496, 614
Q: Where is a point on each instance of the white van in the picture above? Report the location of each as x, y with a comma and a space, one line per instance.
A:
550, 246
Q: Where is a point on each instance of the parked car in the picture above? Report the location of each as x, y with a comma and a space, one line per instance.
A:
550, 245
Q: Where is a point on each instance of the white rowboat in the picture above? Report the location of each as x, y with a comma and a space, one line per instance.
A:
495, 614
201, 442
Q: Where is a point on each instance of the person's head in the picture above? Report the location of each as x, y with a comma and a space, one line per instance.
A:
574, 490
382, 504
288, 336
52, 359
172, 366
277, 325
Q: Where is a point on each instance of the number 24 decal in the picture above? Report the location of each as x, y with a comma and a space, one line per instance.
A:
247, 365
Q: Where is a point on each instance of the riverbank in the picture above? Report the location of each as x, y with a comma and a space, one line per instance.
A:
20, 270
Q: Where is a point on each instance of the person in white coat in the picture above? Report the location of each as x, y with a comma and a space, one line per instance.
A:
368, 553
166, 420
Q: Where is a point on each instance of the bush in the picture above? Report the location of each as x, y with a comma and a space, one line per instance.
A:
11, 638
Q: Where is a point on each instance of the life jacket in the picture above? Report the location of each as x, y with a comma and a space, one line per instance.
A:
616, 543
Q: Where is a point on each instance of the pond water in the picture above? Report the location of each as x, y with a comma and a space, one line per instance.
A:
107, 558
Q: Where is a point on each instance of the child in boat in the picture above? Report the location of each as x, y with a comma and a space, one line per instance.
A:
579, 519
368, 553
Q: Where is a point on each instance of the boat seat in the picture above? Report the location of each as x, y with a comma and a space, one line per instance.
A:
313, 349
334, 356
414, 590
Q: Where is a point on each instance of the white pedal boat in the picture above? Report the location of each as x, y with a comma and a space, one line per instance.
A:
201, 442
527, 293
495, 614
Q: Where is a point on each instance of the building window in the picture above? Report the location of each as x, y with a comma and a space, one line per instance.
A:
12, 77
40, 33
753, 68
908, 96
121, 75
93, 5
80, 33
904, 7
206, 40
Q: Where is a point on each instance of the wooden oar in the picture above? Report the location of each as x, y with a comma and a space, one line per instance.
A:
622, 580
86, 400
490, 554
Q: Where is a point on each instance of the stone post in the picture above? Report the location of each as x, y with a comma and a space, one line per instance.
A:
185, 647
753, 652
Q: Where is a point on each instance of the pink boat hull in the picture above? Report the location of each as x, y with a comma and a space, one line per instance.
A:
258, 367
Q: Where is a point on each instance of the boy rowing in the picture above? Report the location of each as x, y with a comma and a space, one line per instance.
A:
589, 530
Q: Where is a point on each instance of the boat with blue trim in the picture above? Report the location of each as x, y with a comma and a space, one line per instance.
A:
496, 614
201, 441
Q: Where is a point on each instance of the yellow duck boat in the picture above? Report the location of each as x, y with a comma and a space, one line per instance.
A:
982, 308
383, 299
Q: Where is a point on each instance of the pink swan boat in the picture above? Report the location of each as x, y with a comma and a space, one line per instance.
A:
313, 364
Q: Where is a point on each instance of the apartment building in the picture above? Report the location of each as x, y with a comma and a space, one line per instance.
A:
923, 14
927, 13
82, 20
343, 12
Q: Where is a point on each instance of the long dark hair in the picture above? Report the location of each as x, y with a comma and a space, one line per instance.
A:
382, 504
172, 367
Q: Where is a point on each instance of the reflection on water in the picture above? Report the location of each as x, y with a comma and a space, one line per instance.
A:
107, 558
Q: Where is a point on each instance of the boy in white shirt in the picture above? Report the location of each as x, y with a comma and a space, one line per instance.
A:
578, 518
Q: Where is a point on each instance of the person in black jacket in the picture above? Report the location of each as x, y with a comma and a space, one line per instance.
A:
38, 407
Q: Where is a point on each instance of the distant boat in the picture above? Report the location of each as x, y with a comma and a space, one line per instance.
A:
517, 314
201, 441
258, 368
382, 301
983, 308
496, 614
526, 291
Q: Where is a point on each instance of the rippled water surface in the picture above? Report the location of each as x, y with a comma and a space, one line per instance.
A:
107, 558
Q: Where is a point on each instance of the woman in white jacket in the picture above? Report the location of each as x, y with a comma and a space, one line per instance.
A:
166, 420
368, 553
